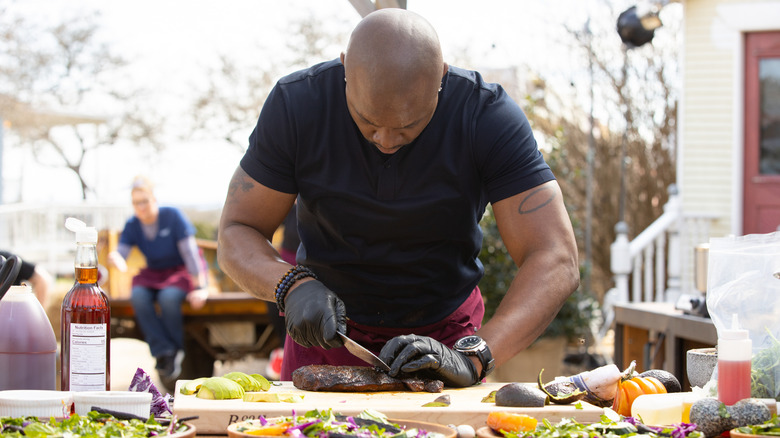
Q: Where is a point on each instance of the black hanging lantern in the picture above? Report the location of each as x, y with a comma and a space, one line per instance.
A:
637, 28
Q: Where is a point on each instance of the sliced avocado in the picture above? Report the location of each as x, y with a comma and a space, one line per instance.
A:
291, 398
272, 397
220, 388
441, 401
246, 381
192, 386
265, 385
490, 398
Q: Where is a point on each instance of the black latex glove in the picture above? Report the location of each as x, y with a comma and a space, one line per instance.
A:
428, 357
313, 314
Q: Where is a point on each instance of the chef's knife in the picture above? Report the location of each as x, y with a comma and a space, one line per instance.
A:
363, 353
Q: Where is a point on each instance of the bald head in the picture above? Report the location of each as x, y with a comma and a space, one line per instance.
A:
393, 66
394, 48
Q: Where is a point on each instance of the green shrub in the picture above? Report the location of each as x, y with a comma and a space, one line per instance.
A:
577, 313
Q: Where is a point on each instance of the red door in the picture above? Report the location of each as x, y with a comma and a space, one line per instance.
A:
761, 209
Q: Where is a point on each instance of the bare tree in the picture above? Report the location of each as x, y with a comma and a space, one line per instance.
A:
635, 103
50, 76
230, 103
228, 108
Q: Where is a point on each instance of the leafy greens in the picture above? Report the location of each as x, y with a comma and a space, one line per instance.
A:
92, 425
326, 424
765, 371
611, 425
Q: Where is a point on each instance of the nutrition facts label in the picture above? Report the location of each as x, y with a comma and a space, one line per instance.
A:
88, 357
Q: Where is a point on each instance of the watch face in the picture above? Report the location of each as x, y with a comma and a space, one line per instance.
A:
468, 342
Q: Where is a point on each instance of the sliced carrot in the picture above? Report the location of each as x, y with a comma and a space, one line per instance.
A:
510, 422
277, 429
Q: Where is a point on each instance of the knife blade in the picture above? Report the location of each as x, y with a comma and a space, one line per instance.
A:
362, 353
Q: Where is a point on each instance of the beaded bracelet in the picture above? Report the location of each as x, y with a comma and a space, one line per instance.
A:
282, 295
295, 273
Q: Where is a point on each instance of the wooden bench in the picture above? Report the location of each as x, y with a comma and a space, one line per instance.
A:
205, 337
231, 325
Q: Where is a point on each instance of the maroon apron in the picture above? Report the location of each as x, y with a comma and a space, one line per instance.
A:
288, 256
163, 278
465, 320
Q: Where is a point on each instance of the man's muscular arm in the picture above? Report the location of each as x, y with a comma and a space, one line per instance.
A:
537, 232
250, 216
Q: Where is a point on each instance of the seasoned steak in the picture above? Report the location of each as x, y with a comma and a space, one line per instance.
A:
357, 379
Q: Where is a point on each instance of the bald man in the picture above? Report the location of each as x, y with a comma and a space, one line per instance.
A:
393, 156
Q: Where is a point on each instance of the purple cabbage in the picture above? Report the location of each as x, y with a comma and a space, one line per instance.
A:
678, 430
142, 382
303, 425
683, 429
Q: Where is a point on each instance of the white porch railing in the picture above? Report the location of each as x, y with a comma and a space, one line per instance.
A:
658, 264
37, 232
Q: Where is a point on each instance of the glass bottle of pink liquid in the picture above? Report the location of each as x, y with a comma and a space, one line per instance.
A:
734, 360
86, 321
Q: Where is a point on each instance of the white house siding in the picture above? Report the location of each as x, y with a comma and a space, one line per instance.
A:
710, 165
706, 113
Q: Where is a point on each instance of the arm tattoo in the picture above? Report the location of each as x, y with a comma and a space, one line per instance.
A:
239, 182
532, 199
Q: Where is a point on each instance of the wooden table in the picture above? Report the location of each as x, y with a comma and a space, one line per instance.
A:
466, 407
657, 335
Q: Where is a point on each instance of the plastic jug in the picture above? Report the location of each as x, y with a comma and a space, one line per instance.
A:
28, 348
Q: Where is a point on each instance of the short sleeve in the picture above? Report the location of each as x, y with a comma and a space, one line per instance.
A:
268, 159
182, 226
508, 155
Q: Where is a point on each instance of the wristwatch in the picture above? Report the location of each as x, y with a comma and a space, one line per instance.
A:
473, 345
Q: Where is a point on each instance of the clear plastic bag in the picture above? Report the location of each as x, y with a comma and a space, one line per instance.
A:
743, 278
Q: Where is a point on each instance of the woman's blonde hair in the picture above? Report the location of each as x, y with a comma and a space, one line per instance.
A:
143, 184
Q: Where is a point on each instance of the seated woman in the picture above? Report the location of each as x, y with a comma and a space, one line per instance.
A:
174, 272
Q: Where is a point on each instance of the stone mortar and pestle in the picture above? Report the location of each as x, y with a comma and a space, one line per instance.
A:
701, 363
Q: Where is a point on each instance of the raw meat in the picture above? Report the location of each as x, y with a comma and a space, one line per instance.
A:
357, 379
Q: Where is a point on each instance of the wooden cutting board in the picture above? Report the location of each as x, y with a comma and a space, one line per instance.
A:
466, 407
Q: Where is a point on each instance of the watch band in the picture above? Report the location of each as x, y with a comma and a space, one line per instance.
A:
479, 349
488, 364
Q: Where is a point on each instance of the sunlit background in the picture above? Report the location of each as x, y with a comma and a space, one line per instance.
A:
174, 52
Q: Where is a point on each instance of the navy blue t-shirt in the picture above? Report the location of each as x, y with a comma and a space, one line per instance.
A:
397, 237
162, 252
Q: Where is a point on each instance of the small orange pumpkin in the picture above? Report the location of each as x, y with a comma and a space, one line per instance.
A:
631, 388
